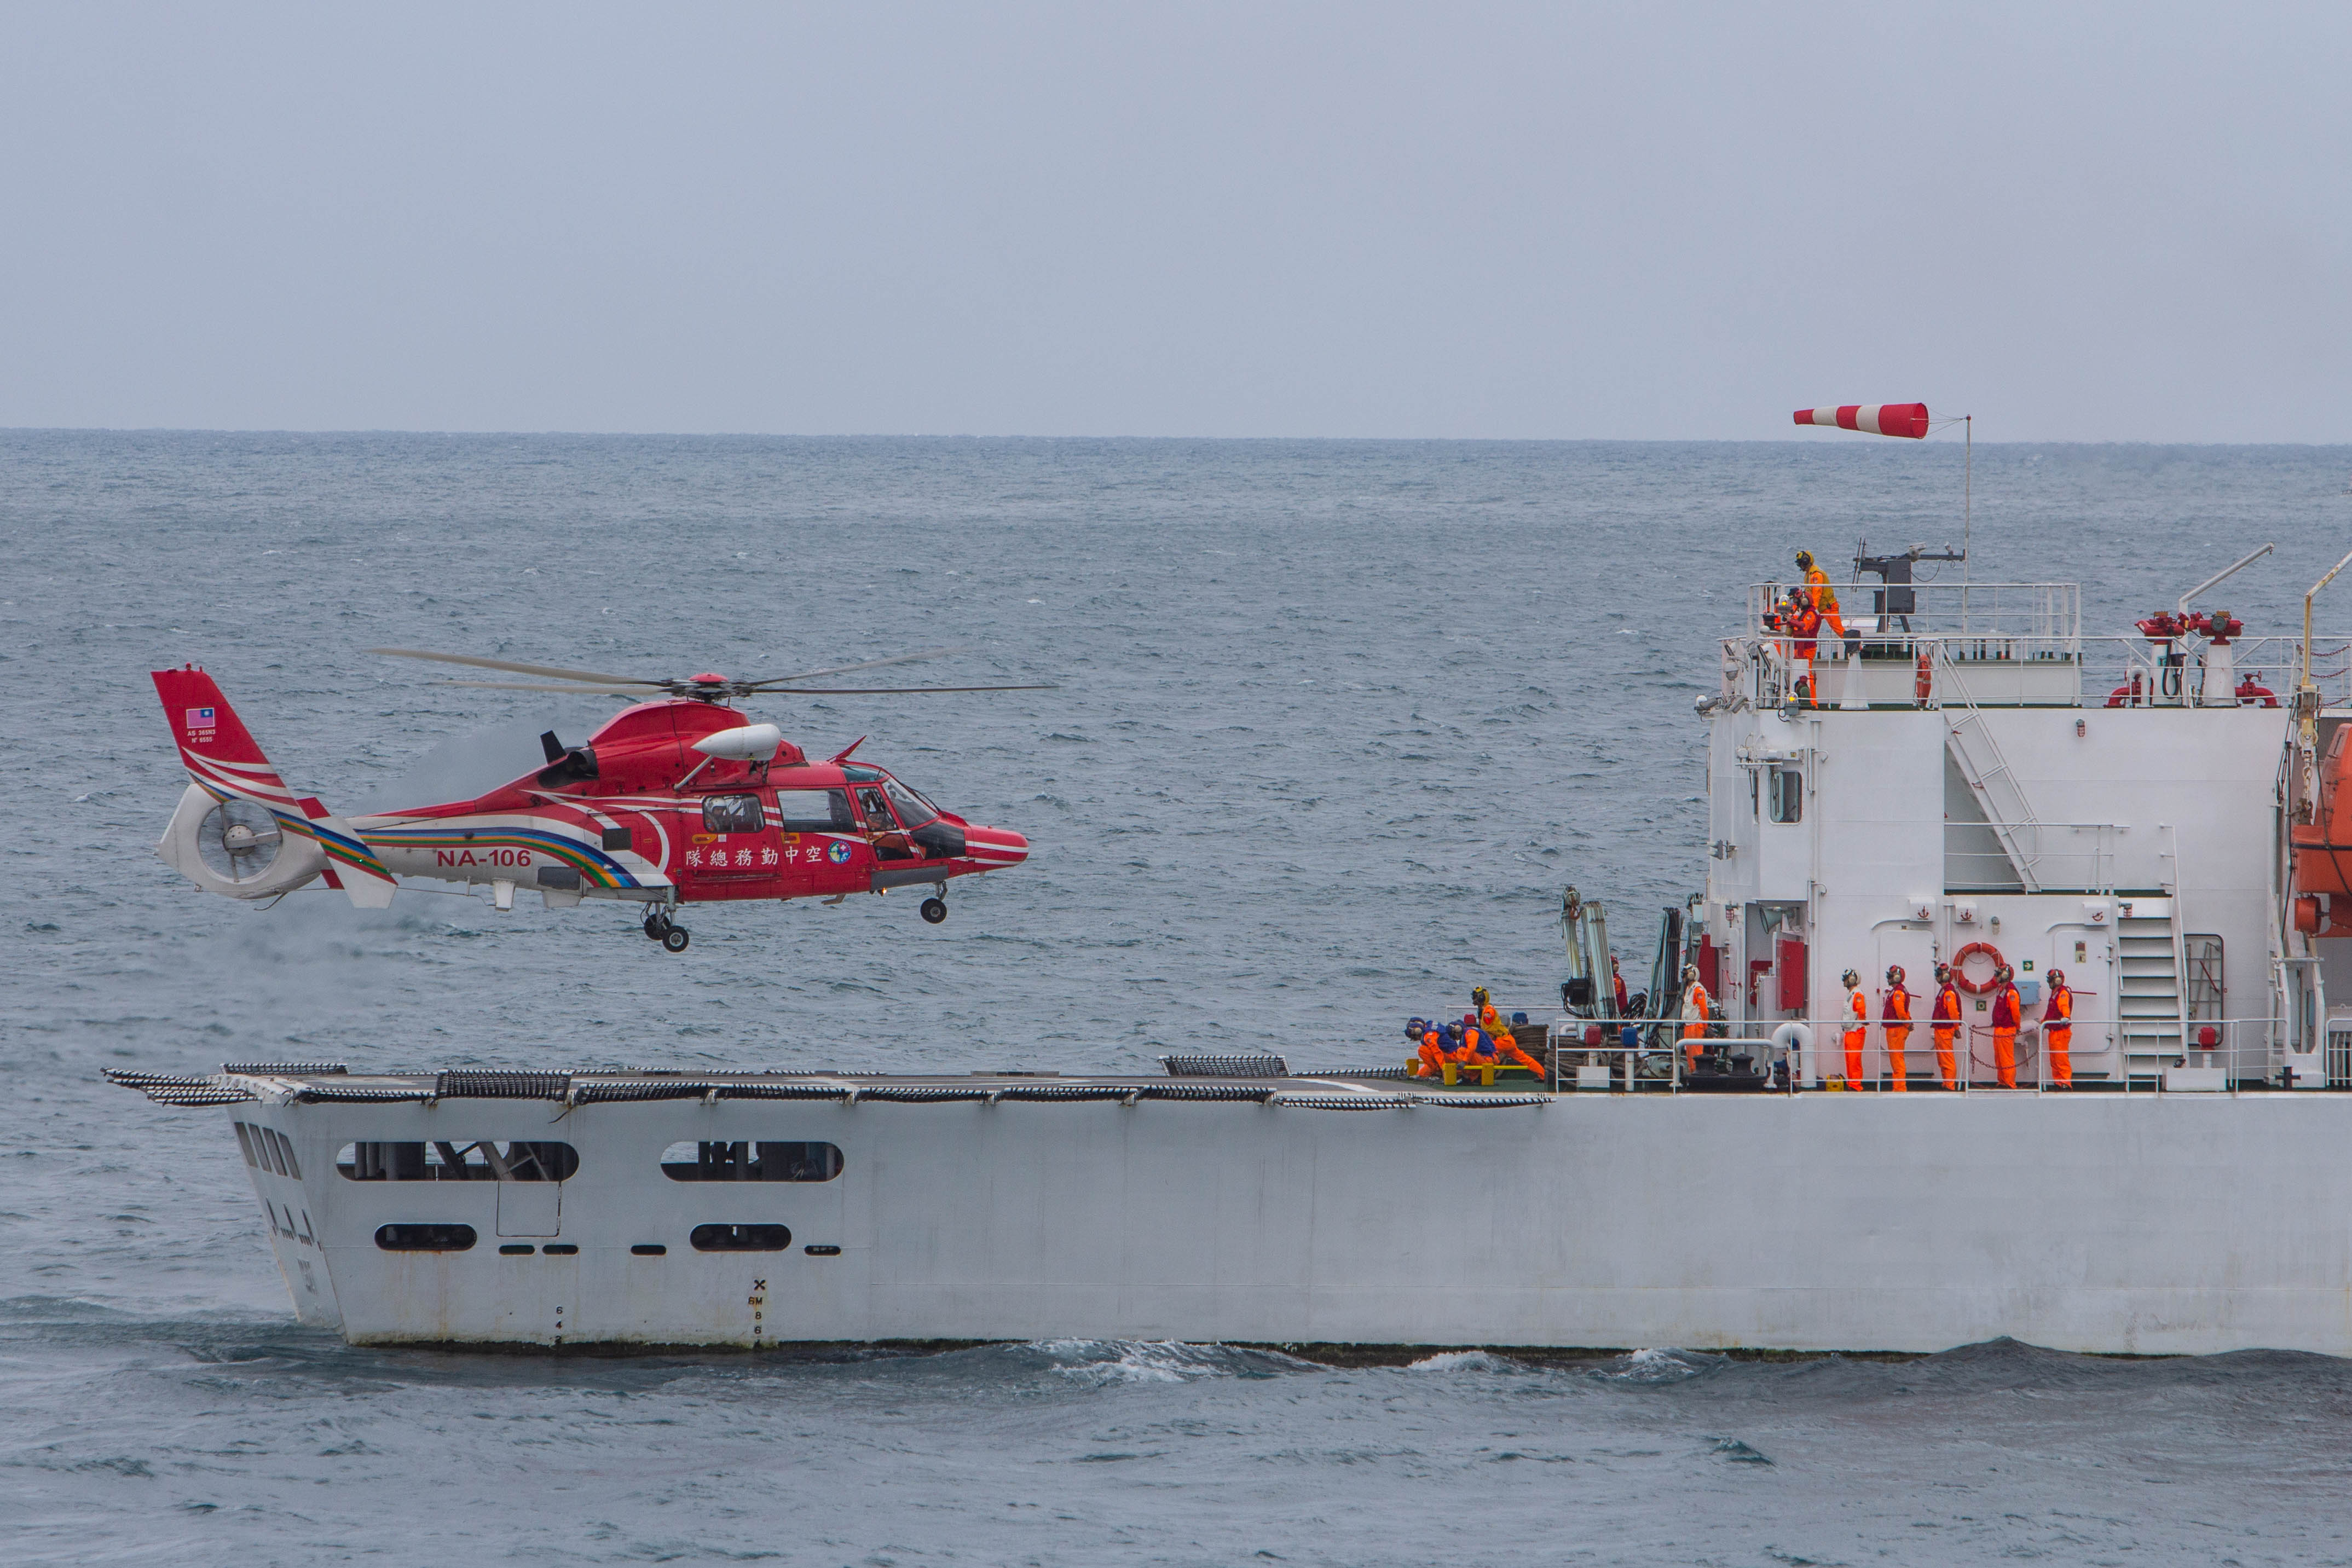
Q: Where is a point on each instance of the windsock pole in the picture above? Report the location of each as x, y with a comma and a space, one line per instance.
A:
1967, 486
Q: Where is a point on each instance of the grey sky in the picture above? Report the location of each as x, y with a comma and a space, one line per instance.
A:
2113, 223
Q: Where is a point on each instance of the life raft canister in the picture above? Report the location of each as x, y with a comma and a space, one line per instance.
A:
1959, 971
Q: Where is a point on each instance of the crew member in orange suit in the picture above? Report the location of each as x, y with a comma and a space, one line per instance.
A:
1503, 1048
1477, 1045
2008, 1012
1895, 1020
1857, 1011
2058, 1030
1817, 589
1804, 624
1695, 1003
1617, 984
1794, 619
1501, 1044
1947, 1024
1433, 1050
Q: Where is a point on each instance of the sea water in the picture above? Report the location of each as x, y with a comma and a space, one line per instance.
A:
1333, 724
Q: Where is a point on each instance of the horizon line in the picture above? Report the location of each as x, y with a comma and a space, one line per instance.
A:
944, 436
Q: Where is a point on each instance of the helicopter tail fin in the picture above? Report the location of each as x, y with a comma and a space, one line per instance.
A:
352, 862
261, 821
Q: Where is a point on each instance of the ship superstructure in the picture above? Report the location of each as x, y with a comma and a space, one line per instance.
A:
1970, 780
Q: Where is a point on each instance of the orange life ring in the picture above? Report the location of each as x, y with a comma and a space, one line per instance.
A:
1959, 976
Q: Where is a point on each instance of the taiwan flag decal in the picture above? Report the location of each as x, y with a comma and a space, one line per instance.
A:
200, 718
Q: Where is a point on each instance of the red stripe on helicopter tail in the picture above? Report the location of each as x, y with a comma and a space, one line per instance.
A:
189, 698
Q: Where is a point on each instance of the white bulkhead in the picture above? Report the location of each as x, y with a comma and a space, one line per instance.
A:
1880, 853
1946, 791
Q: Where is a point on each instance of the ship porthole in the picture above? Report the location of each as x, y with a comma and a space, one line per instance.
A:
425, 1238
740, 1237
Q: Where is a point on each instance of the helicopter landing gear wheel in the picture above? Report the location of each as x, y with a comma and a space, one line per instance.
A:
657, 926
675, 939
935, 910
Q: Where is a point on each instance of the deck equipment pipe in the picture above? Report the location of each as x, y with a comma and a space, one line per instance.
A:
2182, 608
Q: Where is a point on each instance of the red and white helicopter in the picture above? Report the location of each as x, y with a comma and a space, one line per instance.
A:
676, 800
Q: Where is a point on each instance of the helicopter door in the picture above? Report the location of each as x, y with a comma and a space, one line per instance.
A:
736, 843
821, 841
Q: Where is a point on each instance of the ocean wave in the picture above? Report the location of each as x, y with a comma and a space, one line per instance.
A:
1106, 1362
1658, 1366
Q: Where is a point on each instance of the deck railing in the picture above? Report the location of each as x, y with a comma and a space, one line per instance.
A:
2132, 671
2046, 614
1992, 671
1985, 856
2111, 1055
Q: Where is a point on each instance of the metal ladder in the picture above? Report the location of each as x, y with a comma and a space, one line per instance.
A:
1988, 772
2151, 1001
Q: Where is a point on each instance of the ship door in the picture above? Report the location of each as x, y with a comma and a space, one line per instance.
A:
2087, 954
1914, 948
530, 1207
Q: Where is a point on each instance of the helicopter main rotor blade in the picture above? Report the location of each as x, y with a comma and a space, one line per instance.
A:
636, 691
893, 691
561, 675
845, 669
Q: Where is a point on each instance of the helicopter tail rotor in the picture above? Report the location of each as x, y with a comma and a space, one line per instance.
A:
239, 840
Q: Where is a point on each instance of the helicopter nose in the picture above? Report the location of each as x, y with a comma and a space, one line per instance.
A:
995, 847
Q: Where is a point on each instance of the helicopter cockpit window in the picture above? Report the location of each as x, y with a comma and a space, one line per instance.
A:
913, 809
889, 842
815, 810
733, 814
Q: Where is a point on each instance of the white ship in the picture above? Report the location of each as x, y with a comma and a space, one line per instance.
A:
1969, 779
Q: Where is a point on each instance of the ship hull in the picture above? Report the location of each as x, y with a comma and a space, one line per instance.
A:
2142, 1223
